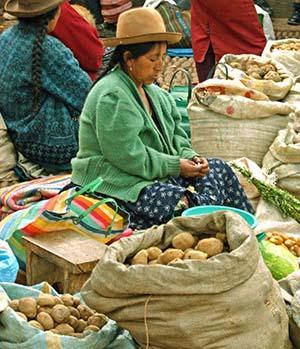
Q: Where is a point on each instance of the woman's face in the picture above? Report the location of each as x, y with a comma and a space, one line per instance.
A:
145, 69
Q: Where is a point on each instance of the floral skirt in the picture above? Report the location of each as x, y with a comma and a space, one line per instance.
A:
156, 203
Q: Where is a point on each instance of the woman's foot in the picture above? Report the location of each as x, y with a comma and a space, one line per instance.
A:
295, 17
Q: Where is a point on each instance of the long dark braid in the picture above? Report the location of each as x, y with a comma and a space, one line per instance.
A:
136, 51
41, 23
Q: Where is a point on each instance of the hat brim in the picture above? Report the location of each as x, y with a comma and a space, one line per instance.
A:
12, 7
169, 37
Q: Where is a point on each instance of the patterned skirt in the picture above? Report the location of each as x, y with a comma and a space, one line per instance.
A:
156, 203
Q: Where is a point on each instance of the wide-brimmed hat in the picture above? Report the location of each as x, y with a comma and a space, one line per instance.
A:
140, 25
30, 8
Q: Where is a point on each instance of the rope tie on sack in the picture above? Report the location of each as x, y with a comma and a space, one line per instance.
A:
145, 321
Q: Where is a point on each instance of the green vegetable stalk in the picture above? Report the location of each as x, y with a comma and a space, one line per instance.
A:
288, 204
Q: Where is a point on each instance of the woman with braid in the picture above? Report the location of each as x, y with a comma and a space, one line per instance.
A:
43, 86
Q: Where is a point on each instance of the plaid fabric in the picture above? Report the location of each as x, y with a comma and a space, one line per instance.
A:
176, 20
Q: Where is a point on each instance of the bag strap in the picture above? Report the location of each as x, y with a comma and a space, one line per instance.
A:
213, 69
189, 80
89, 188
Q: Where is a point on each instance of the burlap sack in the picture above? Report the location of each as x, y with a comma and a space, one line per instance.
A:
229, 301
274, 90
231, 126
8, 158
283, 159
289, 59
293, 97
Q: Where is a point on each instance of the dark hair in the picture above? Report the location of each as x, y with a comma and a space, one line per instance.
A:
41, 23
117, 57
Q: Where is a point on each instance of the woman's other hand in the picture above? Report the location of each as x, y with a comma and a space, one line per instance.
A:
203, 163
189, 168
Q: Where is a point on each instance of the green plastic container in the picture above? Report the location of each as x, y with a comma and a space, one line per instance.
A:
201, 210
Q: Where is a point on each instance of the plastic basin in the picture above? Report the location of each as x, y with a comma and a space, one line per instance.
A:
201, 210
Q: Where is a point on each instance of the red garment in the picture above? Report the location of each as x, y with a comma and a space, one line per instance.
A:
230, 26
81, 38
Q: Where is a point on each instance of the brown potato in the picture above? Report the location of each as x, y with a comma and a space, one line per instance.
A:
46, 300
14, 304
74, 312
92, 328
84, 311
153, 253
45, 310
98, 320
153, 262
76, 301
81, 325
255, 75
272, 75
64, 329
236, 65
221, 236
183, 241
176, 260
58, 300
60, 313
140, 258
67, 299
28, 306
195, 255
73, 321
45, 320
169, 255
210, 246
36, 324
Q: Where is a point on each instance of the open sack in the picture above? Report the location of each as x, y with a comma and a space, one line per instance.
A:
235, 121
16, 333
262, 74
220, 302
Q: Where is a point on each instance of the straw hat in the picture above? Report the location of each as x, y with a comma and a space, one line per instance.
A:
30, 8
138, 25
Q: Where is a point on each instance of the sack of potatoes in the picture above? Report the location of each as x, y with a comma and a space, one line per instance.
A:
171, 65
288, 45
290, 242
62, 315
185, 246
263, 74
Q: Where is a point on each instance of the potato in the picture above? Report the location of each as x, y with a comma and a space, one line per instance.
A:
23, 316
176, 260
153, 253
153, 262
45, 310
54, 330
81, 325
36, 324
255, 75
84, 311
195, 255
46, 300
267, 67
74, 312
73, 321
183, 241
221, 236
45, 320
210, 246
140, 258
14, 304
98, 320
92, 328
272, 75
28, 306
169, 255
64, 329
67, 299
76, 301
60, 313
236, 65
58, 300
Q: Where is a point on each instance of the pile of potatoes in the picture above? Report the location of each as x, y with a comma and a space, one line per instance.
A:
290, 46
185, 246
290, 242
171, 64
62, 315
257, 71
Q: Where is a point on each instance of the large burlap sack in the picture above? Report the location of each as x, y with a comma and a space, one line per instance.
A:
293, 97
283, 158
8, 157
219, 303
274, 90
278, 51
226, 124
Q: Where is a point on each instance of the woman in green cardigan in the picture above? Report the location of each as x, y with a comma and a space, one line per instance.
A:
130, 133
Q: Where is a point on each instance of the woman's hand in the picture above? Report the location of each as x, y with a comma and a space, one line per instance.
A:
204, 168
191, 168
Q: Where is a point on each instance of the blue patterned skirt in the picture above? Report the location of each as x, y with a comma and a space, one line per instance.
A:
157, 202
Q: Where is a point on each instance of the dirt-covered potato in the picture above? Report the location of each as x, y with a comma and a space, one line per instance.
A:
98, 320
36, 324
199, 255
60, 313
272, 75
183, 241
46, 300
45, 320
76, 301
74, 312
140, 258
268, 67
14, 304
85, 311
45, 310
153, 253
81, 325
73, 321
67, 299
28, 306
236, 65
64, 329
169, 255
210, 246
